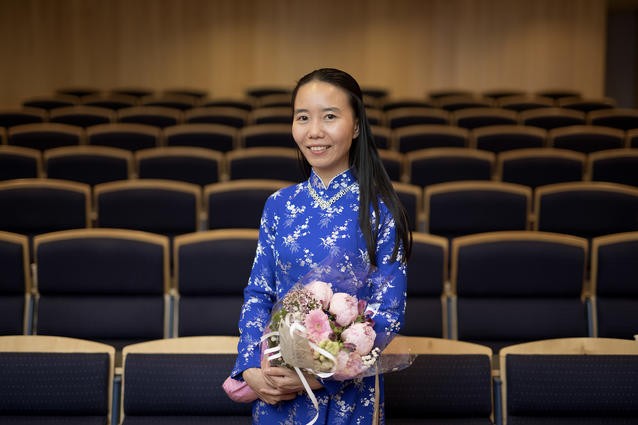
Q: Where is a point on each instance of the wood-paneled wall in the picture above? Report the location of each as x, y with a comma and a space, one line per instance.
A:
225, 46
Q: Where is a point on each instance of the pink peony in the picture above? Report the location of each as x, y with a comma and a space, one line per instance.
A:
345, 308
317, 326
321, 291
349, 365
361, 335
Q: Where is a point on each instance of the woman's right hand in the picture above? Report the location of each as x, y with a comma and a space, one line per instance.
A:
255, 379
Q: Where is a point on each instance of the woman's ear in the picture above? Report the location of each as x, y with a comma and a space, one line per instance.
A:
356, 130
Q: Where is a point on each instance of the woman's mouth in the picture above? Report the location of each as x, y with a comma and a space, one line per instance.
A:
318, 148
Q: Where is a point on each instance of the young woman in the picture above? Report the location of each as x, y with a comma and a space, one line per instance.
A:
347, 205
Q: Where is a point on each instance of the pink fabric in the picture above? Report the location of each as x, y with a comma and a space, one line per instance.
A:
239, 391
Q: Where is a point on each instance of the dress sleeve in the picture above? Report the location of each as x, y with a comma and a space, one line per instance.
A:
259, 296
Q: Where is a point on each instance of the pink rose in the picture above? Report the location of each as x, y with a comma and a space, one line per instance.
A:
345, 308
317, 326
321, 291
349, 365
361, 335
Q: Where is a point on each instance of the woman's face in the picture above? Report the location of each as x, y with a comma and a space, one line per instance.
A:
323, 126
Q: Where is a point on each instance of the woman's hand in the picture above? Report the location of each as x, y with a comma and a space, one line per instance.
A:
287, 380
256, 380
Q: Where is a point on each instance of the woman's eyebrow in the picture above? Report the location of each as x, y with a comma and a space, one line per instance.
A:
328, 109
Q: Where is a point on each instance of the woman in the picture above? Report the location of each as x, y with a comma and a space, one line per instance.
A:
347, 204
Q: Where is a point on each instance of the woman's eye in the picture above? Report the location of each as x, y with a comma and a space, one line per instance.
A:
302, 118
331, 116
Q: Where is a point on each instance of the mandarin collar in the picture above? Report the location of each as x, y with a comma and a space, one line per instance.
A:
338, 182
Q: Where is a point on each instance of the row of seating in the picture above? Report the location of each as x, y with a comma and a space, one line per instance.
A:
531, 167
586, 209
120, 286
177, 381
467, 116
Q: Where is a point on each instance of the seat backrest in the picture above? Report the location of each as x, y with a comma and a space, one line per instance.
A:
210, 292
228, 116
266, 135
570, 380
128, 136
472, 118
621, 118
447, 379
82, 115
19, 163
181, 163
458, 208
586, 138
59, 380
614, 165
15, 284
158, 206
417, 137
586, 209
20, 116
524, 102
518, 286
45, 135
88, 164
238, 203
102, 284
552, 117
218, 137
426, 313
187, 371
411, 196
275, 163
614, 284
438, 165
540, 166
393, 163
415, 115
157, 116
499, 138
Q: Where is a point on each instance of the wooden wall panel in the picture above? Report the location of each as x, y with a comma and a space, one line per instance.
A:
224, 46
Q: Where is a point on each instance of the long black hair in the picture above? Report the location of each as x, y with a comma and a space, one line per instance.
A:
367, 166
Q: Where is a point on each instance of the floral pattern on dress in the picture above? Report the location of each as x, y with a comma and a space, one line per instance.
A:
295, 235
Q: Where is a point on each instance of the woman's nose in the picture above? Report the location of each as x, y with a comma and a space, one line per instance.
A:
316, 129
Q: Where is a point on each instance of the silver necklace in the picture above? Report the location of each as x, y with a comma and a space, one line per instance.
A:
327, 204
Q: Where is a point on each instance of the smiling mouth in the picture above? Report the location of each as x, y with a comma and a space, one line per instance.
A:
318, 148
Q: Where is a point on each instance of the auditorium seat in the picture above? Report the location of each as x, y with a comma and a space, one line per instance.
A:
621, 118
137, 92
20, 116
614, 281
552, 117
221, 115
393, 163
124, 136
178, 381
55, 380
416, 115
382, 136
525, 102
45, 135
557, 93
82, 115
112, 101
405, 102
411, 196
589, 381
540, 166
615, 165
180, 163
426, 310
501, 138
472, 118
438, 165
632, 138
108, 285
266, 135
88, 164
15, 284
271, 115
275, 163
197, 94
182, 102
586, 138
448, 382
19, 163
430, 136
587, 104
50, 102
78, 91
217, 137
157, 116
236, 103
510, 287
274, 100
211, 271
453, 103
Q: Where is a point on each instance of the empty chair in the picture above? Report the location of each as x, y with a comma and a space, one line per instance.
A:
217, 137
459, 208
227, 116
407, 116
393, 163
157, 116
158, 206
82, 115
196, 94
20, 116
430, 136
570, 381
179, 381
271, 115
34, 206
241, 104
405, 102
454, 103
124, 136
411, 197
586, 209
50, 102
19, 163
632, 138
525, 102
265, 163
209, 292
615, 165
375, 116
426, 309
238, 203
137, 92
258, 92
540, 166
266, 135
552, 117
500, 138
499, 93
55, 380
437, 165
181, 102
614, 284
382, 136
449, 91
449, 382
107, 285
188, 164
15, 284
557, 93
45, 135
112, 101
620, 118
509, 287
472, 118
78, 91
586, 138
88, 164
276, 100
586, 104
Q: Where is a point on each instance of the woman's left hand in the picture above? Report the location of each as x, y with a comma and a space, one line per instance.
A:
287, 380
